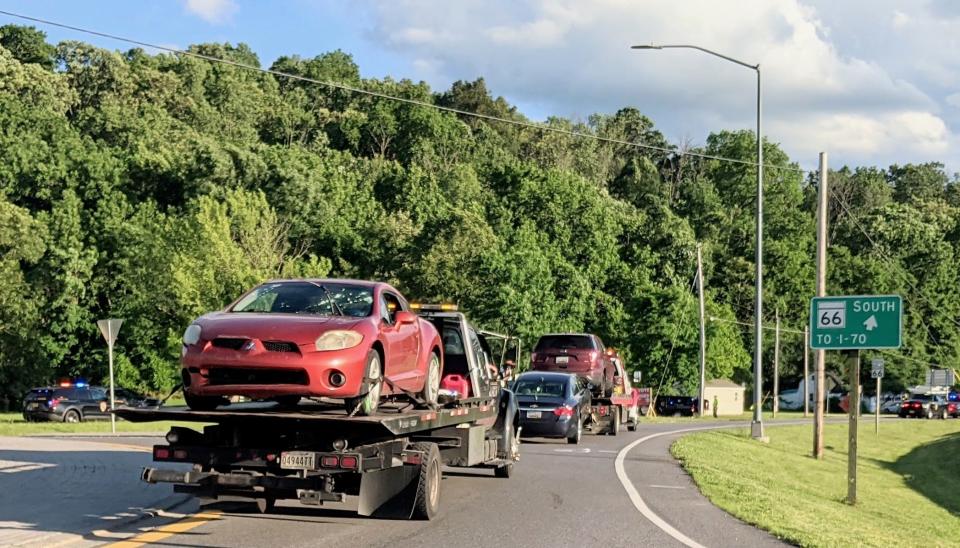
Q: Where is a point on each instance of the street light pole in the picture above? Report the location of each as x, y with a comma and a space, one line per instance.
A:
756, 426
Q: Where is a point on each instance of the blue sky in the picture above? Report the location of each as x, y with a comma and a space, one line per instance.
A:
872, 82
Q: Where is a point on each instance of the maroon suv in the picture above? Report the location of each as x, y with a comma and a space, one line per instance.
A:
580, 353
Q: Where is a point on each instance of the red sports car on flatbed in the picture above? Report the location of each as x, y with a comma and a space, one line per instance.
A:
288, 339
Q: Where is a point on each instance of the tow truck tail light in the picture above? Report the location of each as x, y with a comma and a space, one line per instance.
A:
593, 355
180, 454
563, 411
349, 462
330, 461
161, 453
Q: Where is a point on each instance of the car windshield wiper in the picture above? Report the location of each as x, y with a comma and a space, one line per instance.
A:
333, 303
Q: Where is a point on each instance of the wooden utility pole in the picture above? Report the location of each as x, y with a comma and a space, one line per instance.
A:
853, 364
806, 371
703, 332
776, 364
821, 291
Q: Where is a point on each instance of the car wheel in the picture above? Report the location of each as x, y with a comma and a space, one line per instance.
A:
431, 386
367, 403
266, 505
929, 413
72, 416
577, 435
202, 403
943, 414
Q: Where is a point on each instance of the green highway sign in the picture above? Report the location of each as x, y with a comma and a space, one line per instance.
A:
856, 322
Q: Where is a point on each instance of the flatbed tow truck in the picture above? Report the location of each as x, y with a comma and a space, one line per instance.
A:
317, 452
607, 415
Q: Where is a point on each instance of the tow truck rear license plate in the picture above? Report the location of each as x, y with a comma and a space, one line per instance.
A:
298, 460
533, 414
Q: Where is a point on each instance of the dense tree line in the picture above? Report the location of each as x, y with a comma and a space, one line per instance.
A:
158, 187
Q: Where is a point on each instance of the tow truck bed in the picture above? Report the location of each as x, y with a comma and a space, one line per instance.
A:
393, 419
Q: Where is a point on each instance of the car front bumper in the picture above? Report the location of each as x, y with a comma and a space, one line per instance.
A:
262, 374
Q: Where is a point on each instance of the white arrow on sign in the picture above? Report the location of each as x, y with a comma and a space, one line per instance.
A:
871, 323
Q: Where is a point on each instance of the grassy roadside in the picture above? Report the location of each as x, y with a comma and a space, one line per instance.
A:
12, 424
908, 483
746, 416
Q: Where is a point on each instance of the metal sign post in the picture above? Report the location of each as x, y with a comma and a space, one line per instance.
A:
876, 371
110, 329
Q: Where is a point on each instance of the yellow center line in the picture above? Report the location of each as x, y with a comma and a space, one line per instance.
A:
169, 530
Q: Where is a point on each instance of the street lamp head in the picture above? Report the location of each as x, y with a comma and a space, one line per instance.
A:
648, 46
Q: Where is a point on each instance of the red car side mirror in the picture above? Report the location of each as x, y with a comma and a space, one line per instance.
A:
403, 317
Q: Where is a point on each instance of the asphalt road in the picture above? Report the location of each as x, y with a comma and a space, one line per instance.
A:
560, 495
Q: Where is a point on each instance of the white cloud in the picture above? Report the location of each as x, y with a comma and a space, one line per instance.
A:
899, 19
212, 11
825, 86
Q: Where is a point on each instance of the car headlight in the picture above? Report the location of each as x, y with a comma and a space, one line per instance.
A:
191, 335
338, 340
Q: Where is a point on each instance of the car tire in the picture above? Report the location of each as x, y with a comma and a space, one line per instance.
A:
202, 403
577, 435
614, 421
943, 414
266, 505
367, 403
72, 416
929, 413
426, 504
504, 471
431, 385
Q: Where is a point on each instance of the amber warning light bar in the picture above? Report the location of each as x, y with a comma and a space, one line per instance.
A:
444, 307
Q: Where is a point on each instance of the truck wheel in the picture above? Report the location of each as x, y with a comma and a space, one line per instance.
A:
614, 421
72, 416
427, 502
202, 403
431, 386
574, 438
632, 426
504, 471
367, 403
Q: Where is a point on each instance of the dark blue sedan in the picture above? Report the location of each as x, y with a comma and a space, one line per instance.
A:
552, 405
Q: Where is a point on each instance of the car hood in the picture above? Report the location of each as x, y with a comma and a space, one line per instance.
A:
299, 329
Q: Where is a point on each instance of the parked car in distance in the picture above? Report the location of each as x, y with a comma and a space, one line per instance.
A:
581, 353
670, 406
288, 339
552, 405
950, 409
129, 398
66, 403
922, 405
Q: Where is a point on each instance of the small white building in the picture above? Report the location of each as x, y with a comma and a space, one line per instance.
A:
726, 395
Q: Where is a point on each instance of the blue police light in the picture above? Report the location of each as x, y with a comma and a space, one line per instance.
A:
80, 383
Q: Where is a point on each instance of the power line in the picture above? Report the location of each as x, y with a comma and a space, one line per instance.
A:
386, 96
908, 358
673, 342
767, 327
889, 259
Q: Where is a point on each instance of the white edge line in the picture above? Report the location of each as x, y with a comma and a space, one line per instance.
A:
638, 501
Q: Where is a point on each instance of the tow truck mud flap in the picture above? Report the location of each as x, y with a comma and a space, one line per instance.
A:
389, 493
